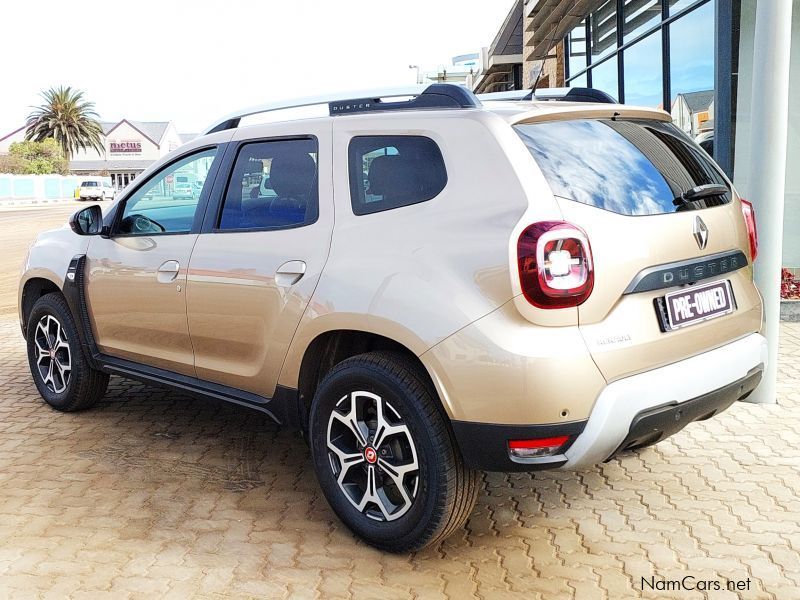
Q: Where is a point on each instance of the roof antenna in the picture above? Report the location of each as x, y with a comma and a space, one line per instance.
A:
550, 46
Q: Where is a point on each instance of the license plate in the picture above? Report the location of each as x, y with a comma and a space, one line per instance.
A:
699, 303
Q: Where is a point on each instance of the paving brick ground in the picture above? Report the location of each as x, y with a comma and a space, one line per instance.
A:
154, 494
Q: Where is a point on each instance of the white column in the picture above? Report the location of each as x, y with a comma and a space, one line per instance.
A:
767, 178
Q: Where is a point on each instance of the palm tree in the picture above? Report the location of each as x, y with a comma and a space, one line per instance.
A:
68, 118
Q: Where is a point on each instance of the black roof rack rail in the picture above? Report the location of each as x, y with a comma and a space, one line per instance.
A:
573, 94
508, 96
436, 95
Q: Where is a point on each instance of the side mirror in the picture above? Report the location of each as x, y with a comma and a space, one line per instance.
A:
87, 221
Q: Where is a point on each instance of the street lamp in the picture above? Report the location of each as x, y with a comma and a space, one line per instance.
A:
417, 69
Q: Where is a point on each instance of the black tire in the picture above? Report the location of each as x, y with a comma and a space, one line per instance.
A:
445, 488
83, 386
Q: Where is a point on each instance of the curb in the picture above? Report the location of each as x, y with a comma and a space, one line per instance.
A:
790, 311
12, 205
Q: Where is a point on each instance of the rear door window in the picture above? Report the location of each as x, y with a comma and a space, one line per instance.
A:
273, 185
624, 166
391, 171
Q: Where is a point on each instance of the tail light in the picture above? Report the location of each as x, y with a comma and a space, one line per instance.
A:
536, 448
555, 264
752, 232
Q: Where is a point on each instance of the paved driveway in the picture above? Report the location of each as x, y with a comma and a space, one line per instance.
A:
154, 494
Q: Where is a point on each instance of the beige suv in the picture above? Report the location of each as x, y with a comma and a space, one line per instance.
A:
426, 287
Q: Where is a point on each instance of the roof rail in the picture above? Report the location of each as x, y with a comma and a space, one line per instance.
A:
573, 94
507, 96
437, 95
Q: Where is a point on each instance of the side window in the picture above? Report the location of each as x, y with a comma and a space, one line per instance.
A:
393, 171
167, 202
273, 185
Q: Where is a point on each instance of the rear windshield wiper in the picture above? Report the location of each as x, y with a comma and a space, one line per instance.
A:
699, 192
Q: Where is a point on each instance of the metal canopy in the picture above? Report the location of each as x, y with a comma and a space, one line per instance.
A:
551, 20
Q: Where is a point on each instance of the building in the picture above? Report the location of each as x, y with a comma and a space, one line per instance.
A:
129, 148
689, 57
694, 112
501, 63
461, 70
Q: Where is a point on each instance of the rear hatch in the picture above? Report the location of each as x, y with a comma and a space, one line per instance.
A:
672, 276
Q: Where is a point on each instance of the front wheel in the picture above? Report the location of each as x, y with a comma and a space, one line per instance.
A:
59, 367
384, 455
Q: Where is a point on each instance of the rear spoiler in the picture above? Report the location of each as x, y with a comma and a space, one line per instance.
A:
564, 94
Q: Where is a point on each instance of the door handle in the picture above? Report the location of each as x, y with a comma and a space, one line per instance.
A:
290, 272
168, 271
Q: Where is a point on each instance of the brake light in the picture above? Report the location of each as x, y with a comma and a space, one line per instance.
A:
536, 448
555, 264
752, 232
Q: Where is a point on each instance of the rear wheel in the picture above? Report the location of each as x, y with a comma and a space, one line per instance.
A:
57, 362
384, 456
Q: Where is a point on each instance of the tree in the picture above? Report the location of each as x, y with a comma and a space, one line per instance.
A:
67, 118
34, 158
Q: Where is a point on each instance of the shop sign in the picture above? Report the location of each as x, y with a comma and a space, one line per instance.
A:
126, 147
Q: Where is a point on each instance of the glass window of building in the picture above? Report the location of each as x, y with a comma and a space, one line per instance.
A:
603, 30
692, 71
676, 6
640, 16
578, 81
604, 77
643, 72
577, 49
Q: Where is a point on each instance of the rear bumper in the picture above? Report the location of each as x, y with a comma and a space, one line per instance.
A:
631, 412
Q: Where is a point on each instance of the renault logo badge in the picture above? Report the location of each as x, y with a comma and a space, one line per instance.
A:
700, 233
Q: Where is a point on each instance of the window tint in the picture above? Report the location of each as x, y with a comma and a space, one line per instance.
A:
393, 171
89, 184
627, 167
273, 185
161, 205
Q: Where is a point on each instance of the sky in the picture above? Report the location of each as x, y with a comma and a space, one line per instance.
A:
194, 61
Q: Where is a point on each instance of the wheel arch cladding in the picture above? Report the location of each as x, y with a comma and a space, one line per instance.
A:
32, 290
332, 347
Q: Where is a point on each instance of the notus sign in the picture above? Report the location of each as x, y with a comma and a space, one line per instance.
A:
126, 147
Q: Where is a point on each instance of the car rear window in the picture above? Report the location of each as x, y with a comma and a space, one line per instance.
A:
624, 166
89, 184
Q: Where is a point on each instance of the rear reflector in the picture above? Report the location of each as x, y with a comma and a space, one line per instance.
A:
750, 220
536, 448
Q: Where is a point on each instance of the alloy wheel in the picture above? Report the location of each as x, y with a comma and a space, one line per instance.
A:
373, 456
53, 356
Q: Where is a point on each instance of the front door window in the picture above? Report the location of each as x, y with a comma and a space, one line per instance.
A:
167, 203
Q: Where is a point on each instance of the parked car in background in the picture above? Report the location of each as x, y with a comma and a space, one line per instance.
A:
425, 288
184, 190
96, 188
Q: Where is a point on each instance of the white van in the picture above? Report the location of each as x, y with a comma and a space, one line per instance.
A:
96, 188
